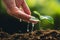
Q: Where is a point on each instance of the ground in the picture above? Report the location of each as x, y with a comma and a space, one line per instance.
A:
35, 35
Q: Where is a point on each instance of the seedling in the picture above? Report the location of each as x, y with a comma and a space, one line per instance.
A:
44, 20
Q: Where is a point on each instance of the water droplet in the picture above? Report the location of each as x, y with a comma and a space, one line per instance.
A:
20, 20
32, 26
28, 27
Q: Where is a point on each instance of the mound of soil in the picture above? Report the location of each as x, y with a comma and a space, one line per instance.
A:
35, 35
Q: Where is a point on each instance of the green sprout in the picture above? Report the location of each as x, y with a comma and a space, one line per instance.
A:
44, 20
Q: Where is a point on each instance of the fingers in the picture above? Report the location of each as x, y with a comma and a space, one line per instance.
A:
18, 3
16, 12
26, 8
23, 16
28, 21
10, 4
31, 21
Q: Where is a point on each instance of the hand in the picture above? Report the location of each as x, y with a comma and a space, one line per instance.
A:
13, 8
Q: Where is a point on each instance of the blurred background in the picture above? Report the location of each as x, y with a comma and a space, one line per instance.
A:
44, 7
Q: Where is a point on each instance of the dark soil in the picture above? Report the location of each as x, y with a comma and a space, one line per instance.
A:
35, 35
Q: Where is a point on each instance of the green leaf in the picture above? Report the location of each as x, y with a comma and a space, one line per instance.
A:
48, 19
45, 21
37, 13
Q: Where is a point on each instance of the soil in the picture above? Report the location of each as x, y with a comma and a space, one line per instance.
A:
35, 35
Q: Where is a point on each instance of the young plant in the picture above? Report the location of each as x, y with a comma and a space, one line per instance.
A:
44, 20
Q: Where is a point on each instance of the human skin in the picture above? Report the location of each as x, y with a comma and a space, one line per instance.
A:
13, 8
